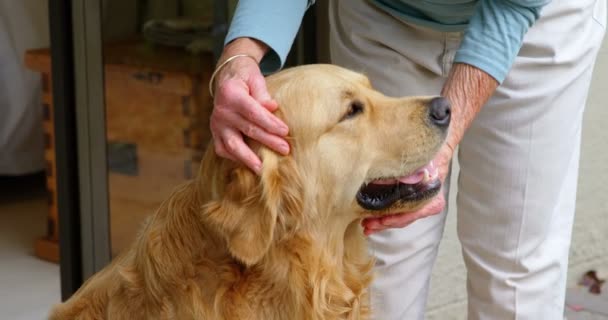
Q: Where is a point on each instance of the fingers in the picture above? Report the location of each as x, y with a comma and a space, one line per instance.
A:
243, 107
434, 206
258, 90
271, 105
253, 131
231, 145
251, 110
221, 151
376, 224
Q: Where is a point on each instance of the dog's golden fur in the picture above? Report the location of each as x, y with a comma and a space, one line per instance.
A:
286, 244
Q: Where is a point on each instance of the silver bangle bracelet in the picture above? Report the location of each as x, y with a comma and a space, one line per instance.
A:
217, 70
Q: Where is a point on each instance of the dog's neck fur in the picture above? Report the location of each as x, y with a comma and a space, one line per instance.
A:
310, 265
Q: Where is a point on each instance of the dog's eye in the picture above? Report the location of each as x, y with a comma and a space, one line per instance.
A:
356, 107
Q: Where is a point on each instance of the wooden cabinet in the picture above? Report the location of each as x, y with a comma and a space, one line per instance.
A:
157, 125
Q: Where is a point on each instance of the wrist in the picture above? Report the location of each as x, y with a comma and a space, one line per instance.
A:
249, 46
468, 85
467, 88
238, 49
223, 67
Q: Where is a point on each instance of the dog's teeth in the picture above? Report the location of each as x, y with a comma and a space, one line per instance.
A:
427, 175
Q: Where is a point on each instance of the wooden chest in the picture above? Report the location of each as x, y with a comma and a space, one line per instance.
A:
157, 113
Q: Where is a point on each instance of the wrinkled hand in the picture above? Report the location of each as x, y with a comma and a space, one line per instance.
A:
243, 106
467, 88
434, 206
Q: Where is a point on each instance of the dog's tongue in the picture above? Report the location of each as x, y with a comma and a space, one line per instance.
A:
426, 173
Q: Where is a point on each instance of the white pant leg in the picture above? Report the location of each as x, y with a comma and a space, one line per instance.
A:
519, 167
507, 254
399, 60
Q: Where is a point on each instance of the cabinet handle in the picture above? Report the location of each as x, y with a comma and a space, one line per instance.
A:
150, 77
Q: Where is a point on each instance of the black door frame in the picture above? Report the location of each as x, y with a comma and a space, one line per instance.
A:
68, 204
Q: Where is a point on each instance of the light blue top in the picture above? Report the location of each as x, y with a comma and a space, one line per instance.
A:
494, 29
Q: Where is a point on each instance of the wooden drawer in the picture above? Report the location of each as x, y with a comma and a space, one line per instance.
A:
157, 125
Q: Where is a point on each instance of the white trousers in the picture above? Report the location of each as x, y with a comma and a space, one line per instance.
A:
518, 161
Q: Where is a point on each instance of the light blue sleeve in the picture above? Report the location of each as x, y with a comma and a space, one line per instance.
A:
495, 34
274, 22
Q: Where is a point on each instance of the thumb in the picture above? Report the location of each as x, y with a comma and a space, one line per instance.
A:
258, 90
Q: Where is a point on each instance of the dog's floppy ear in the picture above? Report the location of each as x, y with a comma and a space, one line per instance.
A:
253, 209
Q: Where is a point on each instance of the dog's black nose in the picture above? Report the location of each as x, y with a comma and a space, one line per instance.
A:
440, 112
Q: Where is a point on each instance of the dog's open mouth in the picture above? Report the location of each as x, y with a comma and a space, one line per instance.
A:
381, 194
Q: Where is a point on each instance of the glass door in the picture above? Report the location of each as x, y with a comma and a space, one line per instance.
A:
142, 108
158, 57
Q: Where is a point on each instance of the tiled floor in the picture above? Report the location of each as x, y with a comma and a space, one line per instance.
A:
28, 286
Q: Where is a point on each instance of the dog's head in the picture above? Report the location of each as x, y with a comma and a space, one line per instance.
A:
355, 153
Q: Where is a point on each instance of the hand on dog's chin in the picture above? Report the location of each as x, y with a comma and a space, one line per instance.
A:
401, 220
434, 206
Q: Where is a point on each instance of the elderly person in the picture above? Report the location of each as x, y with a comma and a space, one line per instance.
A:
517, 74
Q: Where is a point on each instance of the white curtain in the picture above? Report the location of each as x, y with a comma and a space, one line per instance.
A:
23, 25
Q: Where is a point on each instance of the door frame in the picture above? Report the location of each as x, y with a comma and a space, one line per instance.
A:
91, 133
80, 130
66, 153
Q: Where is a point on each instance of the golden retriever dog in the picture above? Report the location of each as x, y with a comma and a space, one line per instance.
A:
287, 244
